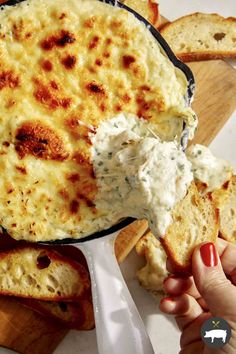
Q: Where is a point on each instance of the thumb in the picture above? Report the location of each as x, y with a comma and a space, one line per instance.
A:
211, 282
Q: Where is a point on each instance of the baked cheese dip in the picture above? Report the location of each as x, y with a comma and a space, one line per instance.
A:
65, 68
138, 174
208, 169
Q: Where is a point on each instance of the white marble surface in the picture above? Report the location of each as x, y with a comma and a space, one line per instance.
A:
162, 330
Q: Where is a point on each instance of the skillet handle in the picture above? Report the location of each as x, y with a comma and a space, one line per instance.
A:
119, 327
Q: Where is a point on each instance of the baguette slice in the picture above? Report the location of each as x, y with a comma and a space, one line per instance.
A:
151, 276
146, 8
74, 315
195, 220
41, 273
227, 211
128, 237
200, 36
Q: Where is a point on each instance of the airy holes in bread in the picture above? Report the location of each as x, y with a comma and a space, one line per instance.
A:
19, 271
30, 280
50, 289
5, 266
219, 36
43, 261
200, 41
53, 281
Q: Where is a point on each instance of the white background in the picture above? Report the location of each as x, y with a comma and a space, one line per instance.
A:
162, 330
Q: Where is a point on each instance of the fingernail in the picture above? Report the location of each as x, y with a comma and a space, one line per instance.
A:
208, 254
166, 299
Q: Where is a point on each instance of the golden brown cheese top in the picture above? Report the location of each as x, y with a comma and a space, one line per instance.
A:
65, 66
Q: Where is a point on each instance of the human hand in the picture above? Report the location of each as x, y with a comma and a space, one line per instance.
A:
207, 293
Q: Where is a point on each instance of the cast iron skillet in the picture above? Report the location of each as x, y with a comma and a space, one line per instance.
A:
189, 95
119, 327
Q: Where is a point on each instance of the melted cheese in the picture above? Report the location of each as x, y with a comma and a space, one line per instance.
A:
66, 66
138, 174
208, 169
152, 275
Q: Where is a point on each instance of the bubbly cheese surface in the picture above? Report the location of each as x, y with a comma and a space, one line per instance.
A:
138, 174
66, 66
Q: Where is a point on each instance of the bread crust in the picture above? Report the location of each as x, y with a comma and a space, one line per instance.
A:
196, 56
166, 26
54, 257
204, 54
170, 243
222, 233
73, 315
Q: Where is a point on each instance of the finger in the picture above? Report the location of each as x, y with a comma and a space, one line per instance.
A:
191, 333
176, 286
227, 253
211, 281
184, 307
194, 347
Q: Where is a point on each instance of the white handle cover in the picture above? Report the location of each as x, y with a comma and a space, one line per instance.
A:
119, 327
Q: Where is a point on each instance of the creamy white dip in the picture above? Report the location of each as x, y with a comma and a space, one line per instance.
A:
212, 171
138, 175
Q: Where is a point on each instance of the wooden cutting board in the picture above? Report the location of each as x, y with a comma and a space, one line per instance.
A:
27, 332
215, 98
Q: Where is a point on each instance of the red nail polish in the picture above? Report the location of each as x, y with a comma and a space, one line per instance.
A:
208, 254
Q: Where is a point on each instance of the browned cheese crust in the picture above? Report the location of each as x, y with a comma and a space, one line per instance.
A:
64, 68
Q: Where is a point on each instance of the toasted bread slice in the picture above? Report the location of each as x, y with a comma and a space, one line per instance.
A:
201, 36
128, 237
41, 273
151, 276
146, 8
74, 315
227, 211
195, 220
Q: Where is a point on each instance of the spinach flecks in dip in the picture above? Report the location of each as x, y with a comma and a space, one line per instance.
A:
142, 176
208, 169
